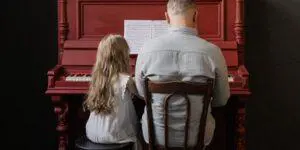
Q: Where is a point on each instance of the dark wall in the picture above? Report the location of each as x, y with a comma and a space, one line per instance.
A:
29, 50
273, 59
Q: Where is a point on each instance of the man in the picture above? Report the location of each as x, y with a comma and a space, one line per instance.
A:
180, 55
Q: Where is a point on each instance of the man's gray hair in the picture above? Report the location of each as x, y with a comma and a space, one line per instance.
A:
179, 7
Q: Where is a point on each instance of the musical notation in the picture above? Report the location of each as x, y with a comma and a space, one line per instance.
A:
137, 32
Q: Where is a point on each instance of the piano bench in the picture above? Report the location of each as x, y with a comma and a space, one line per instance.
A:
83, 143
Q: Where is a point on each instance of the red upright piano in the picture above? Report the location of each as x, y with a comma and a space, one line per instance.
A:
82, 24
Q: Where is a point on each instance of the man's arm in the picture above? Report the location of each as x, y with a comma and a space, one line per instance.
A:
221, 88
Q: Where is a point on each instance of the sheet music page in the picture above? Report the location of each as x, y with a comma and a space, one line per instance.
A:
136, 32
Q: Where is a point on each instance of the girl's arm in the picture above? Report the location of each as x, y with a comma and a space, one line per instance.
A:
133, 90
137, 100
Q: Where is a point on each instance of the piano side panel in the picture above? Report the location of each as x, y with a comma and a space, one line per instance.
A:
231, 57
230, 19
79, 57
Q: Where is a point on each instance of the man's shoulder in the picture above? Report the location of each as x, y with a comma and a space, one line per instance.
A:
206, 44
188, 43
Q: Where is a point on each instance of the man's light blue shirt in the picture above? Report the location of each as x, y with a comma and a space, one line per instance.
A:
180, 55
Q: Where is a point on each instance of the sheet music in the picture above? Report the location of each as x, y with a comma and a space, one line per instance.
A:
136, 32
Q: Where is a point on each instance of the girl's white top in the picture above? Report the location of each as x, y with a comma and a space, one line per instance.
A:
119, 126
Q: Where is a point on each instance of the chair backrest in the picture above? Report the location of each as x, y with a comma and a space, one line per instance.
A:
178, 88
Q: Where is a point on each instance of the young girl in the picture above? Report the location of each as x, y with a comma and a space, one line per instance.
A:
112, 115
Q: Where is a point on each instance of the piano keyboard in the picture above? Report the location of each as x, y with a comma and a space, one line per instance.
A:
88, 78
79, 78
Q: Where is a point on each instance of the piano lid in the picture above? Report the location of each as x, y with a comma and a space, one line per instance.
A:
83, 23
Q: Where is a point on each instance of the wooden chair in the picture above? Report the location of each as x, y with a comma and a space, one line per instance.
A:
83, 143
177, 88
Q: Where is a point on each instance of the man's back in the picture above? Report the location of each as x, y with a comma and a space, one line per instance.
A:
181, 56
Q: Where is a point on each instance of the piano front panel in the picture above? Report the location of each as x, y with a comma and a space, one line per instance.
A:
88, 21
91, 20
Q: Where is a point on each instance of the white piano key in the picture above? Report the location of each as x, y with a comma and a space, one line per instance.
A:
84, 78
230, 79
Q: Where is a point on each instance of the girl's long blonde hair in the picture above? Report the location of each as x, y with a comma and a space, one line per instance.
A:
112, 59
